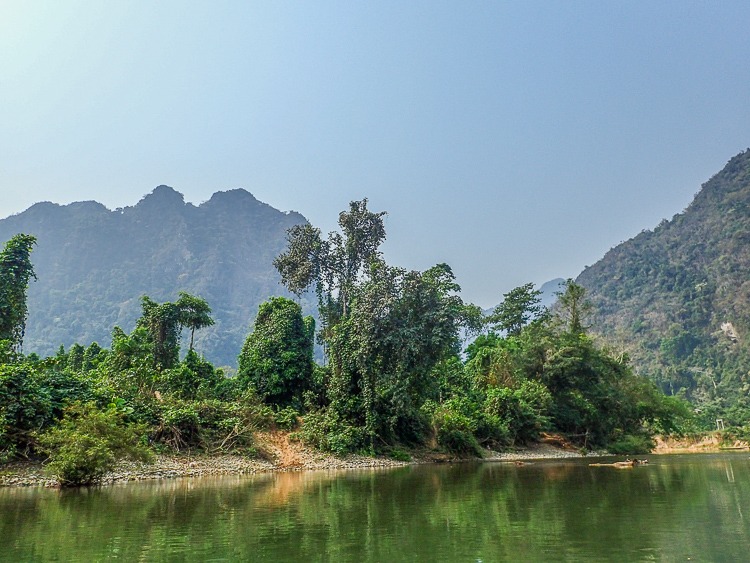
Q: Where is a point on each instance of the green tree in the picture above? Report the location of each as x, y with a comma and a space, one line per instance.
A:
519, 307
401, 325
385, 329
75, 357
277, 356
194, 313
25, 407
333, 265
93, 356
574, 307
15, 272
163, 324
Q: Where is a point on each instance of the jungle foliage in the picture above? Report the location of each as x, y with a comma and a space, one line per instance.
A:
395, 375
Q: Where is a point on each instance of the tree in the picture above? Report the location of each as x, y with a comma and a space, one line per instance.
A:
277, 358
334, 265
520, 306
574, 308
384, 328
194, 313
15, 272
163, 324
75, 357
93, 356
401, 325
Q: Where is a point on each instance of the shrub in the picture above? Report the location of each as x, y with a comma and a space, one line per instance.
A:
455, 435
88, 442
631, 444
326, 431
286, 418
211, 424
523, 410
454, 425
192, 378
399, 455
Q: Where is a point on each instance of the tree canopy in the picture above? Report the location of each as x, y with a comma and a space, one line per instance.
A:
277, 358
520, 306
16, 270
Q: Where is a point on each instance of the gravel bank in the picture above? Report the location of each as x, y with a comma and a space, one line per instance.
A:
539, 451
278, 454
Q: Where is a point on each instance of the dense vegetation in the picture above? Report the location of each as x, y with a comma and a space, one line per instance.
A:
395, 377
93, 265
677, 298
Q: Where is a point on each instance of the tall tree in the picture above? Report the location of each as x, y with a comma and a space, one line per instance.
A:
519, 307
15, 272
574, 307
194, 313
401, 324
163, 324
277, 358
334, 265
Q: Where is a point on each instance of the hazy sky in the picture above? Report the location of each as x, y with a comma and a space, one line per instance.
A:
516, 141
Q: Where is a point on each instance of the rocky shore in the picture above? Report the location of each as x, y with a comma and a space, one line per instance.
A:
278, 453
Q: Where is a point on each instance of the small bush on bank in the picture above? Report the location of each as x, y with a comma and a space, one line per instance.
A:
286, 418
631, 444
325, 431
454, 426
88, 442
212, 425
399, 455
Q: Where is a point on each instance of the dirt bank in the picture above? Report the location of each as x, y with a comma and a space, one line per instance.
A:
278, 453
705, 443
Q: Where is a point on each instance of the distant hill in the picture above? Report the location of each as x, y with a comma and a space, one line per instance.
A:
93, 265
678, 298
550, 290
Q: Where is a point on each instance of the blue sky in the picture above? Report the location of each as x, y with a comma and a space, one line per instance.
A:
516, 141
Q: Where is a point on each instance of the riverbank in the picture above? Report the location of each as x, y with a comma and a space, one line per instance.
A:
277, 453
705, 443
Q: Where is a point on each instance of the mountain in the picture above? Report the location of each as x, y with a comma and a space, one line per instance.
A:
677, 298
93, 265
550, 290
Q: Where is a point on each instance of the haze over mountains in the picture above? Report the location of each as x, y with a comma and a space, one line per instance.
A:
93, 265
677, 298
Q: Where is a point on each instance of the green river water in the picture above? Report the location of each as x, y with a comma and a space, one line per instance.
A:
677, 508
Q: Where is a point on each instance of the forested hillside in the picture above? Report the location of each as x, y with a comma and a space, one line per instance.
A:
678, 298
93, 265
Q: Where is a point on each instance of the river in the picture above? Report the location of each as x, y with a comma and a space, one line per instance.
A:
677, 508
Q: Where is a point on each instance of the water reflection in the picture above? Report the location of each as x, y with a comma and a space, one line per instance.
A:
676, 507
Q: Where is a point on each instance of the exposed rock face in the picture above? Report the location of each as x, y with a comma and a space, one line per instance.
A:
93, 265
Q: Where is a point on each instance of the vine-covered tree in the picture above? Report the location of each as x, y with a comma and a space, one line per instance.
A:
277, 358
16, 270
163, 324
401, 325
384, 328
332, 266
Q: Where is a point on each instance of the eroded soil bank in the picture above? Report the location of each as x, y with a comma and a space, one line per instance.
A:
707, 443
